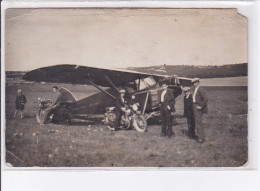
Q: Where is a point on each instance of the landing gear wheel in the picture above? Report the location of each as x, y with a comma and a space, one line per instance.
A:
139, 123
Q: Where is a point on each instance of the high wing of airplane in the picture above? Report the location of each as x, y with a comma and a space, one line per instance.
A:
74, 74
143, 87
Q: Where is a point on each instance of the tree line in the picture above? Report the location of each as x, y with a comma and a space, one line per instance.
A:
191, 71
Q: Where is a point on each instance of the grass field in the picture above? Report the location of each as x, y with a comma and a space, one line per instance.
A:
86, 145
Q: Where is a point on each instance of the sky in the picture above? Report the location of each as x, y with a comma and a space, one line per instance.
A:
120, 38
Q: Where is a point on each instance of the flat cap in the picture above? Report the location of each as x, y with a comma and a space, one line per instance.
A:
122, 91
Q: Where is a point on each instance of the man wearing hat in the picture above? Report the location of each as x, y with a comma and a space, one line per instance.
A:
120, 103
200, 101
188, 112
167, 102
55, 101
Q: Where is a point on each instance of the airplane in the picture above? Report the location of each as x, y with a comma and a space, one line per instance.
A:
143, 88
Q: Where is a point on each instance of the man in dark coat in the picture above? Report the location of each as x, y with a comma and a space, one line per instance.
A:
120, 104
55, 101
188, 112
167, 102
200, 100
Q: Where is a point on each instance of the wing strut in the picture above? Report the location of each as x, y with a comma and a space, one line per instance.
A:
96, 86
111, 83
145, 104
139, 83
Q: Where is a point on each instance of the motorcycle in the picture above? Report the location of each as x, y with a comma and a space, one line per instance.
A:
42, 105
61, 113
131, 118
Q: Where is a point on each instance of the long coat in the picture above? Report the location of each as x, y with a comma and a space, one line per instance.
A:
188, 106
168, 99
201, 99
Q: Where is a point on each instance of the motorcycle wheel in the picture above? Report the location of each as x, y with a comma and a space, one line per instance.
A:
40, 117
139, 123
110, 120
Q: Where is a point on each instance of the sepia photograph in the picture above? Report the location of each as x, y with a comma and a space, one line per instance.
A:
126, 87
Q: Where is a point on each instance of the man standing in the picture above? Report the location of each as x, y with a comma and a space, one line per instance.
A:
188, 112
166, 107
120, 104
200, 101
55, 101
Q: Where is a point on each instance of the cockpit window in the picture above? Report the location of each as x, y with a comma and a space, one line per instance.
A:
145, 83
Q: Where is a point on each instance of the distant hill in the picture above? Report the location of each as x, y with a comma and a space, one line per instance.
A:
189, 71
14, 74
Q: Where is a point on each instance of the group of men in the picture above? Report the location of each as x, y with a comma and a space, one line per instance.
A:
195, 105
